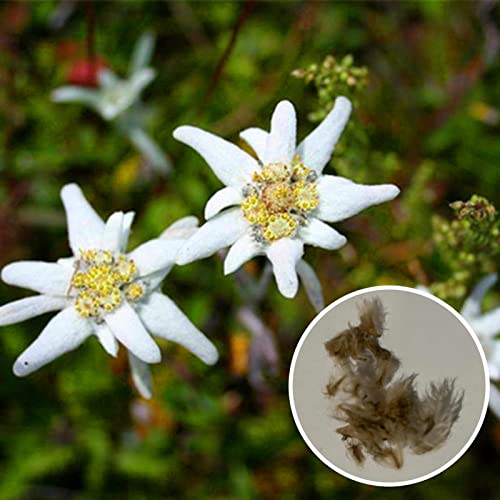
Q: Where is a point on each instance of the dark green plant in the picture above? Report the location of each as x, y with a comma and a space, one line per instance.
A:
468, 245
331, 78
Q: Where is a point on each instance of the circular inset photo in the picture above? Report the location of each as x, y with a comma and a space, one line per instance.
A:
389, 386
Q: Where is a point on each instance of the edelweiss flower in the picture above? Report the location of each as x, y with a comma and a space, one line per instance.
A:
487, 327
279, 200
113, 96
114, 99
104, 291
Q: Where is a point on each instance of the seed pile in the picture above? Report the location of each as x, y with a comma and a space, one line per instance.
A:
383, 414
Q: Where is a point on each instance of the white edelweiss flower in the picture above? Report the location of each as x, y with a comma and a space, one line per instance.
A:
275, 204
102, 290
114, 95
116, 98
487, 328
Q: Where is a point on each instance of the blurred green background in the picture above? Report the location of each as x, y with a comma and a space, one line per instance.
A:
426, 118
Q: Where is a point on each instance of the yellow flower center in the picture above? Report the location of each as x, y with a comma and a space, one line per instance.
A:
103, 280
279, 199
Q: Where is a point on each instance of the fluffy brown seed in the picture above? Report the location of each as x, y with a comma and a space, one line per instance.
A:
384, 415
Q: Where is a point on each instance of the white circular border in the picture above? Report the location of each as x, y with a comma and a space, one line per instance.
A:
318, 453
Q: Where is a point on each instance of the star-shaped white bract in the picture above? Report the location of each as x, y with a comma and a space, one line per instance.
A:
103, 291
118, 100
275, 204
114, 95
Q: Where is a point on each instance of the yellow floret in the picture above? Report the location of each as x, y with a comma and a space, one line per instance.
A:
86, 304
87, 255
276, 172
103, 257
79, 279
126, 268
111, 301
279, 226
134, 291
306, 196
300, 171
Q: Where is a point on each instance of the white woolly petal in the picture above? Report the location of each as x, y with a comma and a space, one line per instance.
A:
493, 355
219, 232
141, 79
164, 319
487, 325
23, 309
181, 229
317, 148
495, 400
340, 198
321, 235
143, 52
284, 255
233, 166
156, 255
85, 227
281, 141
106, 78
256, 138
155, 280
128, 218
107, 339
113, 233
73, 93
222, 199
64, 332
242, 251
472, 306
109, 110
141, 376
177, 233
129, 330
42, 277
67, 262
311, 284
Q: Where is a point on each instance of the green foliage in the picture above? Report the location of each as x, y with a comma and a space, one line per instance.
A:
468, 245
332, 78
31, 460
